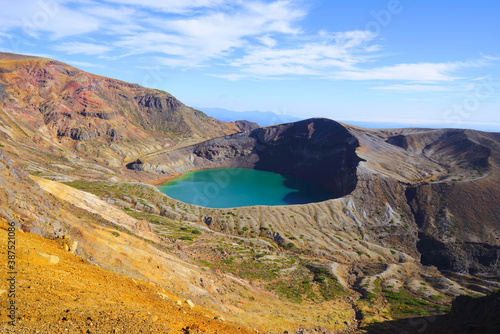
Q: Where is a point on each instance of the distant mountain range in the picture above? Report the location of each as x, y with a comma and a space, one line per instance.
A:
266, 118
263, 118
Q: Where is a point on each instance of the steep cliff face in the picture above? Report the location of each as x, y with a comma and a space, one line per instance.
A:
450, 182
458, 226
320, 151
457, 214
458, 222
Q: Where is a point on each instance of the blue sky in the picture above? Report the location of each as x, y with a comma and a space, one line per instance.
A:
413, 62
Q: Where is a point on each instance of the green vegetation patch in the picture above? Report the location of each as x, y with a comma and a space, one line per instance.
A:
297, 287
310, 283
247, 268
403, 304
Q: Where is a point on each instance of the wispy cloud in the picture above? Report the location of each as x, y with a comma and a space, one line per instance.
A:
426, 72
194, 40
230, 77
326, 53
413, 88
37, 17
267, 40
420, 72
488, 57
172, 6
109, 12
83, 48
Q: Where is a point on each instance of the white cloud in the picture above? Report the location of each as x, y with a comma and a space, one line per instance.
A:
420, 72
70, 23
200, 38
147, 42
180, 62
350, 39
230, 77
413, 88
35, 17
408, 72
113, 13
172, 6
83, 48
250, 38
330, 52
267, 41
487, 57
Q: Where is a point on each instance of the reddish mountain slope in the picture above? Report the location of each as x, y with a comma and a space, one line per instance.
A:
45, 103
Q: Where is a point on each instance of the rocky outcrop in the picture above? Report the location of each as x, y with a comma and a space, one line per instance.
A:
458, 225
246, 125
164, 103
3, 92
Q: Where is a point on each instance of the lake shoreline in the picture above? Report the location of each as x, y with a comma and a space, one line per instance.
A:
239, 187
160, 182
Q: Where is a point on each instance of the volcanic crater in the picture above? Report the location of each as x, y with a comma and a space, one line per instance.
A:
319, 151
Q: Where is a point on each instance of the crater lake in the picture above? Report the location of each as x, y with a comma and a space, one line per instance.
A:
237, 187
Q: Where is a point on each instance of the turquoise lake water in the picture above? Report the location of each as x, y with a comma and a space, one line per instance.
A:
236, 187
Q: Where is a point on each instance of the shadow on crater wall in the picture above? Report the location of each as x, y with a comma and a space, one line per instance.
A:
319, 151
304, 192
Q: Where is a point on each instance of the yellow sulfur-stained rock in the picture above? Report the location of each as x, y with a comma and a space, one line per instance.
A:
4, 224
42, 259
